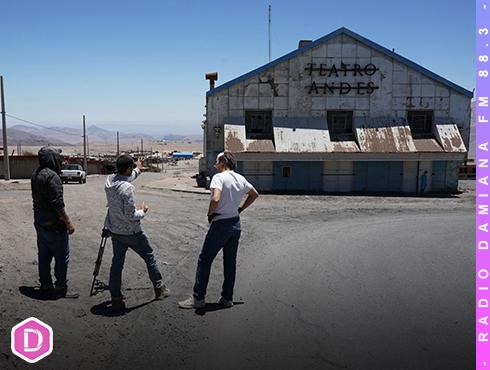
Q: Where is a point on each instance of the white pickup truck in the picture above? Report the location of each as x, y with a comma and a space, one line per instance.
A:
73, 172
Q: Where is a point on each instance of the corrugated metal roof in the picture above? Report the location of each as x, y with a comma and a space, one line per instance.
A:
427, 145
235, 141
344, 146
449, 137
260, 146
359, 38
384, 135
300, 140
372, 136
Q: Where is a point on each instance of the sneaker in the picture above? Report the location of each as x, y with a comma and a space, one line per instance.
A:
161, 291
63, 292
118, 304
192, 302
225, 303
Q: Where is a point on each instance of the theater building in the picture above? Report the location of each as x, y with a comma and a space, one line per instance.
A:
341, 114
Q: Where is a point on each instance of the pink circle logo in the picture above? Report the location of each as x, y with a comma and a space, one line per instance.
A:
32, 340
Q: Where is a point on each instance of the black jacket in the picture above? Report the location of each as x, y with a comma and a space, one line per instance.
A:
47, 189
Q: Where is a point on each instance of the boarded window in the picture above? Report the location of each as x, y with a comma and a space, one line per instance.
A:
286, 172
420, 121
258, 125
340, 124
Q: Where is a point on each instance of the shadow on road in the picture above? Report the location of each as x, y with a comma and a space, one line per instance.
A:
104, 309
40, 295
211, 307
100, 287
35, 293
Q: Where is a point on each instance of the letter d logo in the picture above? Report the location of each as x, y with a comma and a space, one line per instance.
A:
32, 340
26, 340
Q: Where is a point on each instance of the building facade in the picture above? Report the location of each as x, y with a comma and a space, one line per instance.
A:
341, 114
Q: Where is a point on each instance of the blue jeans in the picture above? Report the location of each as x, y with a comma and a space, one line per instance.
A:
139, 243
222, 234
52, 244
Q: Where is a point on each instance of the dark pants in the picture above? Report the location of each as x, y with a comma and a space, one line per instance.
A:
222, 234
139, 243
52, 244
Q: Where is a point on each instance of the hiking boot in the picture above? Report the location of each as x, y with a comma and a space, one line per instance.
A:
118, 304
192, 302
161, 291
225, 303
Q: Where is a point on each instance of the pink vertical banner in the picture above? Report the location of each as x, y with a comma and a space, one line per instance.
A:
482, 184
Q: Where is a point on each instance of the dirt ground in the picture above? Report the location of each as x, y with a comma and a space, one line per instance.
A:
323, 282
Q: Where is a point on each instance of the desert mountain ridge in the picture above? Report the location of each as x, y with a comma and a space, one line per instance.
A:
63, 136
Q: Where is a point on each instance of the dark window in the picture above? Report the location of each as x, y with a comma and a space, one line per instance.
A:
420, 121
258, 125
286, 172
340, 124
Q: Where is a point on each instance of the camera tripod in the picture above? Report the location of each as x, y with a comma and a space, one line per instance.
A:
98, 285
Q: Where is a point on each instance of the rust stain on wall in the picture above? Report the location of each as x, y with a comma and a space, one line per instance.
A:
404, 138
450, 138
447, 145
456, 141
427, 145
348, 146
260, 146
233, 143
386, 139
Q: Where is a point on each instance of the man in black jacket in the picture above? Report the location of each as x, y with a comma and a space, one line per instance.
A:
51, 222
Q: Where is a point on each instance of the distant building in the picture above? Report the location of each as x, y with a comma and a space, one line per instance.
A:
341, 114
182, 155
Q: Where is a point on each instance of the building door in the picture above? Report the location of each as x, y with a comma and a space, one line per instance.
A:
378, 177
259, 174
439, 176
337, 176
298, 177
410, 176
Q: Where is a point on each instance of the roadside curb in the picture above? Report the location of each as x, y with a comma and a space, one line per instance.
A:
180, 190
195, 191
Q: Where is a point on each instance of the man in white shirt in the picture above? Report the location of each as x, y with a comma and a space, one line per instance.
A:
228, 189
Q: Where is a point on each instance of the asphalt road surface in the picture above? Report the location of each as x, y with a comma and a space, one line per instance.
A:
323, 282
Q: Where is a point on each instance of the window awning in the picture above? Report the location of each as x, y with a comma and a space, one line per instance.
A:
371, 135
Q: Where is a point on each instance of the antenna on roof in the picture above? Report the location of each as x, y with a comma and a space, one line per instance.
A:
270, 11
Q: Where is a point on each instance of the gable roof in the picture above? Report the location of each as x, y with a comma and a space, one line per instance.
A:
357, 37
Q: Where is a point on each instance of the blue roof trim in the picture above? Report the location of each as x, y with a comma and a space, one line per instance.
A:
359, 38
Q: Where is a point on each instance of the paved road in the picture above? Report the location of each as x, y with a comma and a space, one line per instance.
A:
323, 283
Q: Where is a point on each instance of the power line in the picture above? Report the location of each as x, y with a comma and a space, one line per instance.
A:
42, 126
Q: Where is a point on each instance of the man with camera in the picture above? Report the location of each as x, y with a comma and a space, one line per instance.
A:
123, 223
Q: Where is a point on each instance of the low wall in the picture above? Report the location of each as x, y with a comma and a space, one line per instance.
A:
22, 166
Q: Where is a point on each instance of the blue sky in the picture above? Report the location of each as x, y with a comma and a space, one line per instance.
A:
139, 65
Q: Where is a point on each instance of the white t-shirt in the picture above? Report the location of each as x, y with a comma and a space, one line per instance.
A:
233, 188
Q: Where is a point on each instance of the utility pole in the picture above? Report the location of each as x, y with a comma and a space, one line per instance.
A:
6, 165
270, 16
117, 146
142, 146
88, 148
84, 146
